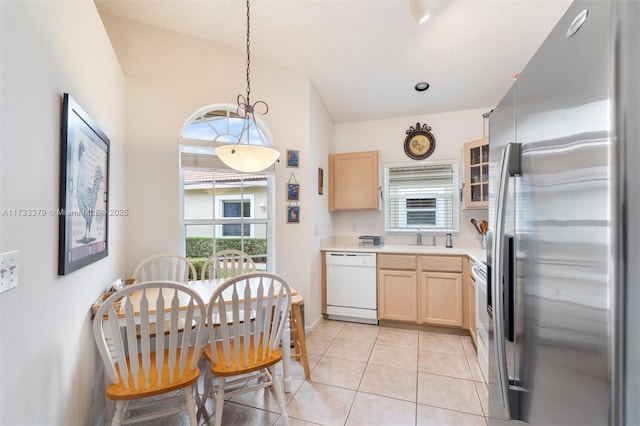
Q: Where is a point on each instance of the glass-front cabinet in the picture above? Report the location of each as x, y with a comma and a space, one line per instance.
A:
476, 182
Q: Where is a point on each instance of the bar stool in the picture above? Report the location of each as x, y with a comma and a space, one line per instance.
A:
297, 330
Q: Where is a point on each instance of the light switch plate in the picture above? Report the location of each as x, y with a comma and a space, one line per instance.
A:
8, 270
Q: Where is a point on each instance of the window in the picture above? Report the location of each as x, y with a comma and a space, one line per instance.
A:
223, 208
236, 209
421, 197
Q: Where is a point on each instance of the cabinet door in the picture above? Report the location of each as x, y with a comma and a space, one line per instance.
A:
441, 298
476, 179
397, 295
354, 181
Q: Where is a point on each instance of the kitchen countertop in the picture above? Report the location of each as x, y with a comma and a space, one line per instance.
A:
476, 254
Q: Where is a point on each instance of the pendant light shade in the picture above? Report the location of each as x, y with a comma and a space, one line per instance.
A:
247, 157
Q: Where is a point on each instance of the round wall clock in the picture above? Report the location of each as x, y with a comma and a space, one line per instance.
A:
419, 143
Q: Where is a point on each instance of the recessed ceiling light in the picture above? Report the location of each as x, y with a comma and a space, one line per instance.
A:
421, 86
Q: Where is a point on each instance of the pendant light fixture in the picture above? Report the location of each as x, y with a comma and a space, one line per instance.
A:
246, 157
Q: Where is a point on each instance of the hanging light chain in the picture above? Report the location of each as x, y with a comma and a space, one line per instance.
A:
248, 54
244, 104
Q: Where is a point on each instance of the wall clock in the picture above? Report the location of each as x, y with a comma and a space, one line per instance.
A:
419, 143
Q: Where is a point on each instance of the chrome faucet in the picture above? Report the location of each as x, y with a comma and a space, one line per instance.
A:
418, 238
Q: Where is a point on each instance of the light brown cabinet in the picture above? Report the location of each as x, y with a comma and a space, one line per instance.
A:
397, 288
476, 174
441, 290
354, 181
441, 298
397, 296
436, 299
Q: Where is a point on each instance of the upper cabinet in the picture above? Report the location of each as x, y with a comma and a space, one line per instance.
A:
354, 181
476, 174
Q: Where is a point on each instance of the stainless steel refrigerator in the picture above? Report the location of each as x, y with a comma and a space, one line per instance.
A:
563, 208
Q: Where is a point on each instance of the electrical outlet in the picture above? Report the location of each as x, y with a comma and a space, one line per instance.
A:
8, 270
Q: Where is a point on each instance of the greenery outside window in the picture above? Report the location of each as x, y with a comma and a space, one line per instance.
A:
421, 197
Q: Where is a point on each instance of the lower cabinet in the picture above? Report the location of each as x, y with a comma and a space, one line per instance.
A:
397, 295
420, 289
441, 298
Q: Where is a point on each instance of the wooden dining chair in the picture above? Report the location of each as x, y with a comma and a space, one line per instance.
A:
227, 264
138, 364
172, 267
247, 346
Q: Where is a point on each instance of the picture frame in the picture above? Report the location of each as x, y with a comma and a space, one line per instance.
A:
84, 190
293, 192
293, 214
292, 158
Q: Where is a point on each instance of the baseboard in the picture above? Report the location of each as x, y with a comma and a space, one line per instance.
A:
313, 325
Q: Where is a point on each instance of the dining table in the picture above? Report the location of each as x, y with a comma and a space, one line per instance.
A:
205, 289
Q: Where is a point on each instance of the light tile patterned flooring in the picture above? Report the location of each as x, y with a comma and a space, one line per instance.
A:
370, 375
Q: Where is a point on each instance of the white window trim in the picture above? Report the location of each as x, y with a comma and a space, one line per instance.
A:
207, 147
455, 229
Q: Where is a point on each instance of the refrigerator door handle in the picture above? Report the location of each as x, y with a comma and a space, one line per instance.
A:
509, 166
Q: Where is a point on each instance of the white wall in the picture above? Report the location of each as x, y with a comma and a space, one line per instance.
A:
320, 225
451, 130
169, 76
51, 374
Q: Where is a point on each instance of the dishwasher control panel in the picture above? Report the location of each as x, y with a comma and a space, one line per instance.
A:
351, 259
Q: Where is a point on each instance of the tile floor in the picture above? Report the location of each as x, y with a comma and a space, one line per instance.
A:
371, 375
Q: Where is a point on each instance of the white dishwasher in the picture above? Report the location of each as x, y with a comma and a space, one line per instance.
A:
352, 290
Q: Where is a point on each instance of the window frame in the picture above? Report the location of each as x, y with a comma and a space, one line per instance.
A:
452, 196
202, 157
240, 199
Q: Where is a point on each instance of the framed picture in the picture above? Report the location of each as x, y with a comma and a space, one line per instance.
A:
292, 158
293, 192
84, 190
293, 214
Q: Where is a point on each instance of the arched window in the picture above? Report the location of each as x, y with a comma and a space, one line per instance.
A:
222, 208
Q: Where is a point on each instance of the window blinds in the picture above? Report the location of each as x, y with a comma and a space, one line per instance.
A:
422, 196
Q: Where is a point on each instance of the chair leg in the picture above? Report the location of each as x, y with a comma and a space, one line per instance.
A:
301, 345
294, 331
206, 392
219, 401
277, 388
117, 415
191, 404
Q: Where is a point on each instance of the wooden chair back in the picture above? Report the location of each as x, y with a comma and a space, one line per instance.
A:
165, 267
257, 306
227, 264
137, 363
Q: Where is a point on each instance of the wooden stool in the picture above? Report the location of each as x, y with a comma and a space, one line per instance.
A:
297, 329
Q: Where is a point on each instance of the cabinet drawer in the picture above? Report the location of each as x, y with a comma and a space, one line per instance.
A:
392, 261
441, 263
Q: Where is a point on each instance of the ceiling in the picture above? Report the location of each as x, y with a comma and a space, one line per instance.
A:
365, 56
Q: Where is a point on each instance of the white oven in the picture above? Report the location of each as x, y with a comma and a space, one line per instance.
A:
479, 274
352, 293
